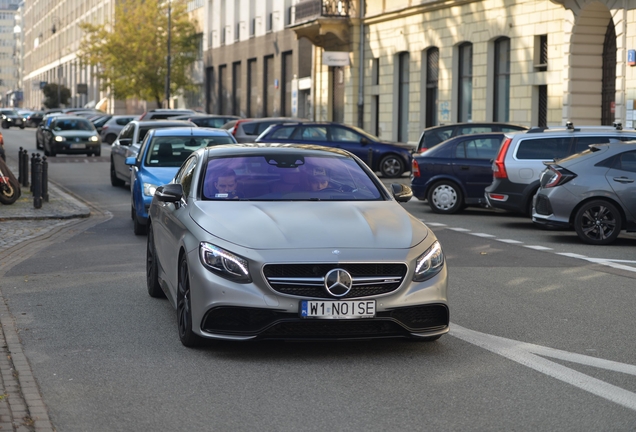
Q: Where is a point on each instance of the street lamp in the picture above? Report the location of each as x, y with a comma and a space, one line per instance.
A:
56, 20
168, 74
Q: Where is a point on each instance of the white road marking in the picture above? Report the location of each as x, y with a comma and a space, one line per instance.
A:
529, 355
509, 241
435, 224
483, 235
537, 247
459, 229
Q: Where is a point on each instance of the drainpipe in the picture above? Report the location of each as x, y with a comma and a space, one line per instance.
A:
361, 70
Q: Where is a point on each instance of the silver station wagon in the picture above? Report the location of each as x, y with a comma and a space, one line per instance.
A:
267, 241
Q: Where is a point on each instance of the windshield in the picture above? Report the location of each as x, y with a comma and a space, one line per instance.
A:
172, 151
287, 176
73, 124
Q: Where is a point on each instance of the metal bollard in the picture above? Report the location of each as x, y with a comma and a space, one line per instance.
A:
25, 168
37, 182
45, 179
32, 171
20, 166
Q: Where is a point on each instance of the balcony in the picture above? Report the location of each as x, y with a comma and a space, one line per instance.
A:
326, 23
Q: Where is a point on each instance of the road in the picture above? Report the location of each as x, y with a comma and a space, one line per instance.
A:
541, 338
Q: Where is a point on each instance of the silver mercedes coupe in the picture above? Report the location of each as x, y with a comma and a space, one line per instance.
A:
267, 241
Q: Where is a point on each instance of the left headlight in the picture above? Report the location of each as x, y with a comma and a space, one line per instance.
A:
429, 263
60, 138
150, 189
224, 263
94, 138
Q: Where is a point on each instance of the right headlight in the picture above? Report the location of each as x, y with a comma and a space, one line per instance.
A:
429, 263
224, 263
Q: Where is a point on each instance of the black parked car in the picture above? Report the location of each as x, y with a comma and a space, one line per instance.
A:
33, 119
71, 134
455, 173
436, 134
11, 117
390, 159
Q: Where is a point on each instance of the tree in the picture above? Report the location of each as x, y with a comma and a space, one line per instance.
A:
131, 52
50, 95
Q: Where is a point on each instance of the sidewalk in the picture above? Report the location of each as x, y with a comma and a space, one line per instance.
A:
21, 404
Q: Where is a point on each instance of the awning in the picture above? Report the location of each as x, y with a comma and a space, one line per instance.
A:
102, 105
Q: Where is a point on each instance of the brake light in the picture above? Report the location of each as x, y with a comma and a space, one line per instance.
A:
556, 176
416, 168
104, 127
236, 125
498, 166
423, 149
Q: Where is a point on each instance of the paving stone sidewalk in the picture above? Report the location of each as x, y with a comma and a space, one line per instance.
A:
21, 404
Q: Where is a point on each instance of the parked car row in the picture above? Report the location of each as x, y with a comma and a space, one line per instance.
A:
508, 171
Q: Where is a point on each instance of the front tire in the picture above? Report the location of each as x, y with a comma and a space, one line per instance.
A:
184, 308
445, 197
138, 227
391, 166
152, 268
598, 222
114, 180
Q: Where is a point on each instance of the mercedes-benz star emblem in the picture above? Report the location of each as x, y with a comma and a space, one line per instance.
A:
338, 282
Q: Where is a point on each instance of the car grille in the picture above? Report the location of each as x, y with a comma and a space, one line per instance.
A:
307, 280
542, 205
273, 324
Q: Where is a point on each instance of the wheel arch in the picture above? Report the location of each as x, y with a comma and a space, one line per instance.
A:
446, 177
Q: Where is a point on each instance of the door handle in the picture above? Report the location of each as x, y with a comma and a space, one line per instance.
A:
623, 180
465, 168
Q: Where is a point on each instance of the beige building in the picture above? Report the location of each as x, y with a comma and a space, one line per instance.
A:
426, 62
9, 53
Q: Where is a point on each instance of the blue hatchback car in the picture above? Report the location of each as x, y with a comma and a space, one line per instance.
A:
160, 156
390, 159
455, 173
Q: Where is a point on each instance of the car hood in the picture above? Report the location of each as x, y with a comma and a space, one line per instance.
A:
285, 225
157, 176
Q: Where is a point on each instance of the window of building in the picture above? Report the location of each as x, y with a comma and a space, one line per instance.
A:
268, 86
252, 88
286, 108
432, 83
541, 53
465, 93
403, 97
236, 88
542, 113
502, 80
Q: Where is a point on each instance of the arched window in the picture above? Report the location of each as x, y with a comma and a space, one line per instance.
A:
502, 80
465, 94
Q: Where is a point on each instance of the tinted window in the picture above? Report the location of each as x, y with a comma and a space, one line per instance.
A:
73, 124
432, 138
465, 130
483, 148
311, 133
209, 122
123, 121
184, 176
582, 143
344, 135
270, 177
166, 151
627, 161
283, 132
543, 148
249, 128
127, 132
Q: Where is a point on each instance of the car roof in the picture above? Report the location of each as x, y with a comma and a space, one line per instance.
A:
474, 124
162, 122
266, 119
189, 131
69, 117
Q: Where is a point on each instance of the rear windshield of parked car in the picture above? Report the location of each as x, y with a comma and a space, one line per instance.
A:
287, 177
166, 151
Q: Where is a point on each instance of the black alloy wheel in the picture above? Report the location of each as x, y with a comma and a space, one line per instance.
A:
184, 308
445, 197
152, 269
598, 222
392, 166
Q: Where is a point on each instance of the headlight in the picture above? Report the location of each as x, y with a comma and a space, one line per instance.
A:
93, 138
60, 138
224, 263
429, 263
149, 189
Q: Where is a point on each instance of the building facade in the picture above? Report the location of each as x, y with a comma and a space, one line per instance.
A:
10, 53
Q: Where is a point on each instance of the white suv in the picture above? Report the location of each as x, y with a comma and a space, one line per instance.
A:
521, 158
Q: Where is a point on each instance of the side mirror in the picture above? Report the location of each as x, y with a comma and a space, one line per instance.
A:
131, 160
125, 141
364, 141
402, 193
172, 192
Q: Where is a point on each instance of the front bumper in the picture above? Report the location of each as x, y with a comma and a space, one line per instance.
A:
231, 311
67, 147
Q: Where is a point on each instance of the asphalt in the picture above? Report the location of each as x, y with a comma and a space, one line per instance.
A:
23, 231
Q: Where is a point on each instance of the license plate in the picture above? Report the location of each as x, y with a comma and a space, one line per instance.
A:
332, 309
78, 146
